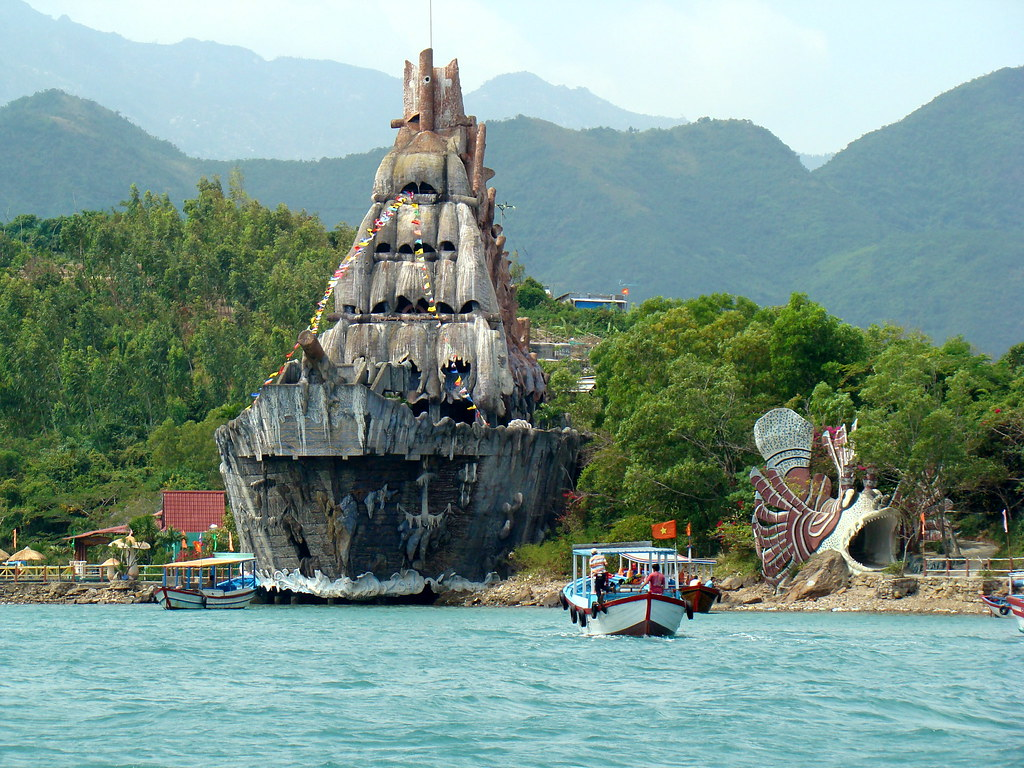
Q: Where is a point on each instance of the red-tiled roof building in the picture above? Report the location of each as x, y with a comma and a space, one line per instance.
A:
192, 511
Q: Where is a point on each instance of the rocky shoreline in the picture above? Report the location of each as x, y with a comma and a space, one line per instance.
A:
76, 593
871, 593
865, 593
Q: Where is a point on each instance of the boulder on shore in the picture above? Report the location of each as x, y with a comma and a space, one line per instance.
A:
824, 573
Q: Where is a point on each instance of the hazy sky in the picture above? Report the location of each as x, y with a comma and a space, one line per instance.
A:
817, 73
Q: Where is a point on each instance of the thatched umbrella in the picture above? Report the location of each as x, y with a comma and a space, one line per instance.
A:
3, 556
26, 554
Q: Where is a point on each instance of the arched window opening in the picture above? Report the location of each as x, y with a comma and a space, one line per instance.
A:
469, 306
459, 412
414, 378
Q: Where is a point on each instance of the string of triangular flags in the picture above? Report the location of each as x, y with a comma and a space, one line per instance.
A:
404, 198
463, 392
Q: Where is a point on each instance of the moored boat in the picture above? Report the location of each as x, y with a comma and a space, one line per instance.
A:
1016, 597
996, 605
701, 596
628, 607
222, 581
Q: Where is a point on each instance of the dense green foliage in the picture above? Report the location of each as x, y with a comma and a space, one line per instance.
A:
679, 389
918, 223
127, 337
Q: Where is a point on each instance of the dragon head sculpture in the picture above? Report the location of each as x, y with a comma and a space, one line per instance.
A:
796, 515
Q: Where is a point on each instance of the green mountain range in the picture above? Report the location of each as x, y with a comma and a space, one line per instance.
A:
918, 223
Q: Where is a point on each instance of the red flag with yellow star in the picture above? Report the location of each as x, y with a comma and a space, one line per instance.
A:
664, 530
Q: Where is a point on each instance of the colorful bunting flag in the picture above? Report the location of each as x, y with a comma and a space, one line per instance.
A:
405, 198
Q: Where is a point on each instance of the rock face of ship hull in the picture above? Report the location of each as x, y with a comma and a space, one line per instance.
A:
340, 492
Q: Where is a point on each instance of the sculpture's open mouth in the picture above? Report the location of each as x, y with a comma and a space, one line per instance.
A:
872, 543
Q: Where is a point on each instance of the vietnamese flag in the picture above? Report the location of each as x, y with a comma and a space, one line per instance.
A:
664, 530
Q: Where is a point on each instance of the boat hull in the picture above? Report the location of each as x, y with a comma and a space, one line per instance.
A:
997, 606
1016, 603
701, 597
173, 598
638, 615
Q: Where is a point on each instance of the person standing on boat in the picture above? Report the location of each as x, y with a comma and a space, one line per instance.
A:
656, 580
598, 572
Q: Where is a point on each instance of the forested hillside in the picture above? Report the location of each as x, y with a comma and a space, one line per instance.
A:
127, 337
918, 223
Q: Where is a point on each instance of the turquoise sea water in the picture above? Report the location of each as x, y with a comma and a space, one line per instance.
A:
316, 686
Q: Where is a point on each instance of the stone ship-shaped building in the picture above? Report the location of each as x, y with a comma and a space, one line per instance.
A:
397, 457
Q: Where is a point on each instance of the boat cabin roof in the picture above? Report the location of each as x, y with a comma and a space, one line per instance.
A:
637, 551
614, 549
645, 558
208, 561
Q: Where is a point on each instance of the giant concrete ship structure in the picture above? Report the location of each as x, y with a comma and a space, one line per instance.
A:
397, 456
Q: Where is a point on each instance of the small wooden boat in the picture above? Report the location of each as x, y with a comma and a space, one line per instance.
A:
701, 596
1016, 603
1016, 597
226, 580
627, 608
996, 605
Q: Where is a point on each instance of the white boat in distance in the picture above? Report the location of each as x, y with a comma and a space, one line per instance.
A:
627, 609
226, 580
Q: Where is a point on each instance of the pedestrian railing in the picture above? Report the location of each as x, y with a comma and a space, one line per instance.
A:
76, 571
971, 566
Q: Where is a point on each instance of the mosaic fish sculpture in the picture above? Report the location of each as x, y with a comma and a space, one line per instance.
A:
796, 515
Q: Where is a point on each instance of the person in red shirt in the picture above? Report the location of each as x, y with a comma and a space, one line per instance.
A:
656, 580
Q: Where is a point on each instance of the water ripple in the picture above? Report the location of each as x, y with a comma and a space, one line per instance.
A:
332, 686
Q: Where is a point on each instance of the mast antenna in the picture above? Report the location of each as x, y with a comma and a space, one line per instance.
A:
430, 23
